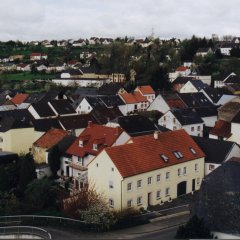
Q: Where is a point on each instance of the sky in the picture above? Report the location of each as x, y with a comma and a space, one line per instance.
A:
27, 20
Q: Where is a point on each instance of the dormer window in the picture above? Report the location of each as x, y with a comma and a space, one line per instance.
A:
95, 147
80, 143
164, 158
193, 150
178, 154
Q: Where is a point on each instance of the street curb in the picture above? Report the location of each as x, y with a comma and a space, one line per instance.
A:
169, 216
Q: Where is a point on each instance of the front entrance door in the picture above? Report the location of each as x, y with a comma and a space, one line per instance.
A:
67, 171
149, 199
193, 185
182, 188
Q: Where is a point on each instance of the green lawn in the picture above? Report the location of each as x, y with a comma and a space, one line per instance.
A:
26, 76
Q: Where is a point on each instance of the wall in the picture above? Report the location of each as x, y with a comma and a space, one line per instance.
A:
188, 88
17, 140
105, 165
84, 107
159, 104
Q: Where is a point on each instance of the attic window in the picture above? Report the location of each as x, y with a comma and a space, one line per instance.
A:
193, 150
164, 158
80, 143
95, 147
178, 154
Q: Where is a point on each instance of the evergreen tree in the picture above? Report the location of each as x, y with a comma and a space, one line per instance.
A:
54, 160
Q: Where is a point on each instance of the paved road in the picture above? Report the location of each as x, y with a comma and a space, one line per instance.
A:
159, 229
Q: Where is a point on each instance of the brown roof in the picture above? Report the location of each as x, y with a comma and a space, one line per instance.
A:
145, 89
131, 98
50, 138
176, 103
144, 154
221, 129
181, 69
94, 134
19, 98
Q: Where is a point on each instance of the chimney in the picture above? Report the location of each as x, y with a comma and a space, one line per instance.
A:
90, 124
155, 135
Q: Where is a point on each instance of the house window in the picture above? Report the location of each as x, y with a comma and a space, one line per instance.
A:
95, 147
96, 164
149, 180
174, 120
167, 175
139, 183
174, 128
111, 202
184, 170
167, 192
129, 186
1, 139
129, 203
139, 201
158, 177
211, 167
199, 128
196, 167
178, 154
80, 160
88, 107
111, 186
198, 181
81, 143
135, 107
112, 169
164, 118
192, 129
164, 157
193, 150
179, 172
158, 194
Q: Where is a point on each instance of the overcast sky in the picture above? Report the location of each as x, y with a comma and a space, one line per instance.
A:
64, 19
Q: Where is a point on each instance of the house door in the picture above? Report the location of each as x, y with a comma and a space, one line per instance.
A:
193, 185
149, 199
182, 188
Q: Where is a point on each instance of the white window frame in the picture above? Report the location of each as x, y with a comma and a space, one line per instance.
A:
179, 172
149, 180
158, 178
129, 187
184, 170
139, 201
167, 191
167, 175
139, 185
129, 203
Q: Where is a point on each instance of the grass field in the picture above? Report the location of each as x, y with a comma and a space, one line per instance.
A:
26, 76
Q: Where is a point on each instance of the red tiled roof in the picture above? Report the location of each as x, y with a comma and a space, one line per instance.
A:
181, 69
145, 89
221, 129
22, 65
19, 98
176, 103
131, 98
96, 134
144, 154
35, 54
50, 138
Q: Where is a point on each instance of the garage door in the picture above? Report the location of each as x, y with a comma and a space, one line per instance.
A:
182, 188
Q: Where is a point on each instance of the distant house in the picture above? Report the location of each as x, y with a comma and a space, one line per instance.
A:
171, 165
204, 52
219, 82
214, 159
147, 92
111, 89
159, 104
134, 125
41, 67
179, 82
183, 119
79, 43
180, 72
193, 100
221, 130
225, 48
24, 67
87, 146
16, 135
38, 56
134, 102
193, 86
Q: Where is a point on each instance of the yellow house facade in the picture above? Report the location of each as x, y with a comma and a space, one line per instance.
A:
125, 183
17, 140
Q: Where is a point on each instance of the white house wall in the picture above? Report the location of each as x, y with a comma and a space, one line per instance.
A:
159, 104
